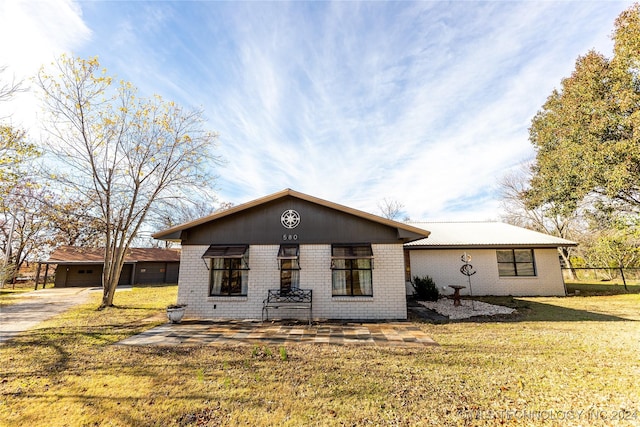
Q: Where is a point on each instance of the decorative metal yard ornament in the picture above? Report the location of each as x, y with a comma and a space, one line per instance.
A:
468, 270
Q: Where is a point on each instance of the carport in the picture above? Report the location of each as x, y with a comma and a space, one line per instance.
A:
78, 266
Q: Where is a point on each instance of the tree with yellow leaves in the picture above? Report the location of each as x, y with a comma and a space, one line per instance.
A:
15, 154
123, 153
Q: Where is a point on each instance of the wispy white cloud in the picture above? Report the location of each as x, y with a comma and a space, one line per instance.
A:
33, 33
427, 102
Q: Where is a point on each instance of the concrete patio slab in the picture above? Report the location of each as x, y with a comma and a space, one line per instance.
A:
197, 333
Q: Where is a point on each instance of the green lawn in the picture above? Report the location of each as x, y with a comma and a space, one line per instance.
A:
603, 288
560, 361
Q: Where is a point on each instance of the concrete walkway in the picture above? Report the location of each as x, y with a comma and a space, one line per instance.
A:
35, 307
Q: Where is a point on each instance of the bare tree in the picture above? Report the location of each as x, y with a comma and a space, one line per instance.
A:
72, 222
390, 208
8, 88
122, 152
24, 226
179, 210
544, 219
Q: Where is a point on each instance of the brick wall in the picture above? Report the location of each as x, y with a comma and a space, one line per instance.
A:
388, 301
444, 267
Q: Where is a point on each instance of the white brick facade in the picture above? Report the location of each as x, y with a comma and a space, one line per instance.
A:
443, 266
388, 300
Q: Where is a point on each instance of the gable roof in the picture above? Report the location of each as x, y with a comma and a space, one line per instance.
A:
404, 230
483, 235
76, 254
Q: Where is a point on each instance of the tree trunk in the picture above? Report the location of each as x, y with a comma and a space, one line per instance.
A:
107, 296
114, 260
564, 253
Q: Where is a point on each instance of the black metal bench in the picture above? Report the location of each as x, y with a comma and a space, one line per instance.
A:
297, 299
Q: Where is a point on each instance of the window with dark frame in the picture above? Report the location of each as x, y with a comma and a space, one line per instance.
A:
516, 263
229, 270
289, 263
352, 268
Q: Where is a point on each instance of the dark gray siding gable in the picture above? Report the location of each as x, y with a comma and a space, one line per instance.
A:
260, 225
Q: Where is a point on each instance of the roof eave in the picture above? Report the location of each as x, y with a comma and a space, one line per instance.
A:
174, 233
494, 246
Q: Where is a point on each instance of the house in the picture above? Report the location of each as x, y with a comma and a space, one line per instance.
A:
78, 266
352, 261
504, 259
356, 264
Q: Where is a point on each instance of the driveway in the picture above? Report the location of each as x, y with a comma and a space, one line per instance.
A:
37, 306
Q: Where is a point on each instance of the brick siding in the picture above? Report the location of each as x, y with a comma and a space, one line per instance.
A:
388, 301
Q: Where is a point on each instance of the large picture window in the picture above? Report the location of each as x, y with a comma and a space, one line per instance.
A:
289, 262
229, 272
516, 262
352, 267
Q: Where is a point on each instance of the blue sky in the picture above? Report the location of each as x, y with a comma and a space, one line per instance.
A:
427, 103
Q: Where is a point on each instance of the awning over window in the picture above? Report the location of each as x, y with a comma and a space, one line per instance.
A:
289, 252
228, 251
352, 251
289, 257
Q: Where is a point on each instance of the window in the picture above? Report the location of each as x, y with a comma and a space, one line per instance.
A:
229, 270
289, 261
516, 262
352, 267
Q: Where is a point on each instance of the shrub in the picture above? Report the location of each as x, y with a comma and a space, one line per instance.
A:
425, 288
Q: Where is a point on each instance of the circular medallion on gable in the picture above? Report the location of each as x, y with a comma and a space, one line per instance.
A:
290, 219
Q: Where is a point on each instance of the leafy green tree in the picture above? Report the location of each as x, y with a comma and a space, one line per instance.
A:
121, 152
613, 240
587, 135
613, 248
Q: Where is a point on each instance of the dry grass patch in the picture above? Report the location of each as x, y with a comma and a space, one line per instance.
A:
11, 294
69, 373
